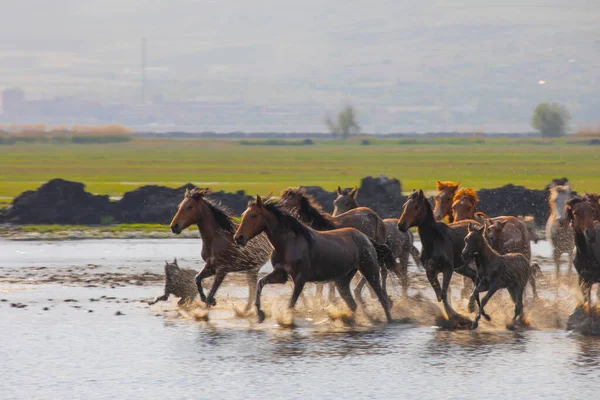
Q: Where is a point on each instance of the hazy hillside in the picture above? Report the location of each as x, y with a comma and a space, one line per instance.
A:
279, 65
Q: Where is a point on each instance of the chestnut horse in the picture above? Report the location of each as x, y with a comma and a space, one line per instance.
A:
580, 214
219, 252
401, 243
306, 255
558, 232
505, 234
302, 206
444, 199
442, 245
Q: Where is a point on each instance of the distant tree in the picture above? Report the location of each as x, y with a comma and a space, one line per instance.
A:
551, 119
346, 124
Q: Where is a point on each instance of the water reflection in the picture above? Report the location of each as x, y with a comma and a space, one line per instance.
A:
588, 354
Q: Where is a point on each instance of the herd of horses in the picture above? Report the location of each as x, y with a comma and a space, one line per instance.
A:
306, 244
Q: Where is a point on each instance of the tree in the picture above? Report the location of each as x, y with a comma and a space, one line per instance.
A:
346, 124
551, 119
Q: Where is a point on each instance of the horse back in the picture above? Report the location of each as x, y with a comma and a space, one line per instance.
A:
365, 220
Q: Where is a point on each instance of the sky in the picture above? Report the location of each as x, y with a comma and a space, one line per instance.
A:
462, 64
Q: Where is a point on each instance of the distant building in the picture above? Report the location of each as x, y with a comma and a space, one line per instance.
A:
12, 100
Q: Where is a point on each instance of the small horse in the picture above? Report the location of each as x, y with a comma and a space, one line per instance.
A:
401, 243
506, 234
509, 271
442, 245
443, 200
305, 208
219, 251
307, 255
179, 282
580, 215
558, 232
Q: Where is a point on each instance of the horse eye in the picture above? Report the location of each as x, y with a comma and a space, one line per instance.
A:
190, 207
253, 215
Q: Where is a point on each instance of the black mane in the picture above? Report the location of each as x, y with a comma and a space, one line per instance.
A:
221, 216
288, 222
310, 212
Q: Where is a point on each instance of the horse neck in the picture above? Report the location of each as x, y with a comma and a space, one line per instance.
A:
427, 228
276, 234
207, 226
486, 253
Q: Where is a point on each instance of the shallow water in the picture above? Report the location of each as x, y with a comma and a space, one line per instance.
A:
152, 352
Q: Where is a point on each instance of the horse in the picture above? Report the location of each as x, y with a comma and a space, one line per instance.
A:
442, 245
580, 215
307, 255
558, 232
506, 234
303, 206
401, 243
443, 200
509, 271
594, 200
219, 252
179, 282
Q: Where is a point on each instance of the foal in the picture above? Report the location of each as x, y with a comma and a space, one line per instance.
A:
306, 255
494, 271
558, 232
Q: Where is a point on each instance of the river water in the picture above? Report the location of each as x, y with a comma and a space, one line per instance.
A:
81, 348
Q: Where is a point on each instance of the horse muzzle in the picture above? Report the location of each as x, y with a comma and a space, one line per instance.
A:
176, 229
240, 240
402, 227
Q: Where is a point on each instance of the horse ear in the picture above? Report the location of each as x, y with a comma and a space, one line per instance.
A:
339, 190
259, 201
205, 191
354, 192
175, 260
502, 224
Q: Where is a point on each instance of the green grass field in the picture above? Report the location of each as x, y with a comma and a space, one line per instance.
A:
221, 164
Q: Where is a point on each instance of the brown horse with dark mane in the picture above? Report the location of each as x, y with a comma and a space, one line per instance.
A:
401, 243
307, 255
219, 251
306, 209
580, 215
442, 245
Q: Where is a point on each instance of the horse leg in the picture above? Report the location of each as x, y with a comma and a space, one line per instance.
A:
384, 276
251, 278
556, 256
319, 290
278, 275
219, 276
475, 296
299, 282
433, 280
206, 272
446, 276
331, 293
164, 297
403, 274
371, 274
494, 286
519, 303
343, 287
570, 255
533, 285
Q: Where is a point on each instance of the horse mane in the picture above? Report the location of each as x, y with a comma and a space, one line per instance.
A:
310, 211
594, 200
221, 214
574, 200
442, 185
287, 221
466, 194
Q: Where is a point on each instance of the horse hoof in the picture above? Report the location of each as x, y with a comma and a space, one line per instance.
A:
475, 325
487, 317
261, 316
210, 302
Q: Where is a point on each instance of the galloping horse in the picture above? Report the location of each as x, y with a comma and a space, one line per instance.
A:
306, 255
401, 243
442, 245
219, 251
302, 205
580, 214
443, 200
511, 271
558, 232
505, 234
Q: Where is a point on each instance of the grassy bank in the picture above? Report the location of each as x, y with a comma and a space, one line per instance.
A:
228, 165
60, 232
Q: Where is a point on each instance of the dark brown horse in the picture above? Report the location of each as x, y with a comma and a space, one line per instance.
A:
401, 243
306, 255
594, 200
580, 214
510, 271
442, 245
219, 252
558, 231
506, 234
302, 206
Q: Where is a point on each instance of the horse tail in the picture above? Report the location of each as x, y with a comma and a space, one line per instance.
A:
385, 257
